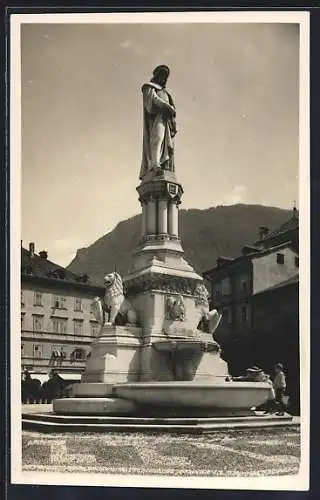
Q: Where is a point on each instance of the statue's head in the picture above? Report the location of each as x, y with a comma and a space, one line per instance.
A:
113, 284
161, 74
108, 280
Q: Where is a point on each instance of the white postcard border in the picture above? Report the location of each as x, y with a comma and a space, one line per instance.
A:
298, 482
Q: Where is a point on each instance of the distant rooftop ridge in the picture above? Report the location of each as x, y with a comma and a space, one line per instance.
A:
258, 247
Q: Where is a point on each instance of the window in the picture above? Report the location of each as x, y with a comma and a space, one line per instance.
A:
22, 321
37, 300
59, 325
225, 286
78, 326
37, 350
217, 289
78, 354
78, 304
57, 273
244, 314
296, 261
94, 329
243, 283
22, 299
280, 258
227, 315
59, 302
37, 323
244, 286
57, 352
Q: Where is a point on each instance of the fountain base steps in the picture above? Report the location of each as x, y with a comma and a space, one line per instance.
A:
49, 422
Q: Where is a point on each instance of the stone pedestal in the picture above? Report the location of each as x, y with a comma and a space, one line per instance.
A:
115, 357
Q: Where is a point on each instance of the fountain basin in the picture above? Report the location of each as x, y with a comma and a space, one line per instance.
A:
219, 396
185, 345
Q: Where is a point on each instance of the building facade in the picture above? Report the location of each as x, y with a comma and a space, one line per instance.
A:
57, 325
269, 261
234, 284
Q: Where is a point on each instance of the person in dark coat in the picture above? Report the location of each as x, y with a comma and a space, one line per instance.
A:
53, 388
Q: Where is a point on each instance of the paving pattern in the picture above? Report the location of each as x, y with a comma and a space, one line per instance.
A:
237, 453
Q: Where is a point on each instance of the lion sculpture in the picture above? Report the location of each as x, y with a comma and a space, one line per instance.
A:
113, 302
202, 305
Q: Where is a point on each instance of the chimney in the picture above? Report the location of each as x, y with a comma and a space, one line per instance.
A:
31, 250
43, 254
263, 231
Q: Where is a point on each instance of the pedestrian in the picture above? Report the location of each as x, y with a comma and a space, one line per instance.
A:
271, 401
252, 374
280, 385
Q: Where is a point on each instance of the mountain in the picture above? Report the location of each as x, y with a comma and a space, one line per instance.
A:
205, 235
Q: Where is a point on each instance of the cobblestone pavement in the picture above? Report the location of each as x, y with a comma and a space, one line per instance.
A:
249, 453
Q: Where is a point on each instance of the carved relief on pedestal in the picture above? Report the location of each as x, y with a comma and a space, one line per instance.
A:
163, 283
156, 237
175, 308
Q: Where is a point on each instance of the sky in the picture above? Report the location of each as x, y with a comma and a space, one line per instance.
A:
236, 91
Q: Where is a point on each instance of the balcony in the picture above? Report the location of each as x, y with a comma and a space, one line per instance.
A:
48, 363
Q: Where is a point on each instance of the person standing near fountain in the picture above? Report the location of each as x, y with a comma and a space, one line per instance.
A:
280, 385
159, 125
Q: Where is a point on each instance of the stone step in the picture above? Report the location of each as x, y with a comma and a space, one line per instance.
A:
43, 423
100, 419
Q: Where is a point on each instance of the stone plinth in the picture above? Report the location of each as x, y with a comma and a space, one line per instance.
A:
115, 356
91, 390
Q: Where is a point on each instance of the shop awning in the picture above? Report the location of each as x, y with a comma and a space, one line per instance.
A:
70, 376
44, 377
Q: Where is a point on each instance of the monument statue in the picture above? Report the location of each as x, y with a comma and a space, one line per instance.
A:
106, 309
159, 124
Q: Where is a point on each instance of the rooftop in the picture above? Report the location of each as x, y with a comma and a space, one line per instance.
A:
291, 224
255, 253
39, 266
258, 247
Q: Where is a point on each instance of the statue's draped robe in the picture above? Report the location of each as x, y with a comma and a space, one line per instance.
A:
158, 129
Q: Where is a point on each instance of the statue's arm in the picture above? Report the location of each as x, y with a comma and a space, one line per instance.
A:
152, 99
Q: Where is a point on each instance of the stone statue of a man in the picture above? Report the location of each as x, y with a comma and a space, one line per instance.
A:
159, 125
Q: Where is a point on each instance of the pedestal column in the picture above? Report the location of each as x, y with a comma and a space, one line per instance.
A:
151, 216
143, 219
173, 216
163, 217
